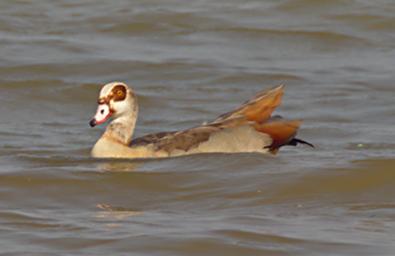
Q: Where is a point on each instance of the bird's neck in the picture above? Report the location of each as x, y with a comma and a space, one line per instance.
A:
121, 129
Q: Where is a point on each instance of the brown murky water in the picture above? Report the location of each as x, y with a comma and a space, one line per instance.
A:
189, 62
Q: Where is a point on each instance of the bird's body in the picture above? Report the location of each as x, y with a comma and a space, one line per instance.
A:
249, 128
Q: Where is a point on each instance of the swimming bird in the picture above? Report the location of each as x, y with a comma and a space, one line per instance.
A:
248, 128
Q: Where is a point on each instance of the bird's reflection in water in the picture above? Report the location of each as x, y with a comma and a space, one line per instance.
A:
118, 166
111, 213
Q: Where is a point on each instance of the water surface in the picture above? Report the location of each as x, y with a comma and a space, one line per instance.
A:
188, 63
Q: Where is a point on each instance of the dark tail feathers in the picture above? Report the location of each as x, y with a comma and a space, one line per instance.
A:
296, 141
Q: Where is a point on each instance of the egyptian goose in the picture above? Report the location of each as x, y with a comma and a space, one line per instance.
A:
249, 128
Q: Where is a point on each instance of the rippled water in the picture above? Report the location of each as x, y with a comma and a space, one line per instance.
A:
189, 62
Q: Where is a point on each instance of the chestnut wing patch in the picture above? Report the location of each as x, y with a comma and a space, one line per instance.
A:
281, 131
259, 108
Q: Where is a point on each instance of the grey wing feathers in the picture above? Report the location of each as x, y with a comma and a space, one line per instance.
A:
182, 140
149, 139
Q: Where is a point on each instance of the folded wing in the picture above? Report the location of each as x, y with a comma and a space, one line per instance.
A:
274, 132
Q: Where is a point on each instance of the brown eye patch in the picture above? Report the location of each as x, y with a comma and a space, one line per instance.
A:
119, 93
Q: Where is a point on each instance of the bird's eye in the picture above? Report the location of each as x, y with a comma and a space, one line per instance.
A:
120, 93
102, 111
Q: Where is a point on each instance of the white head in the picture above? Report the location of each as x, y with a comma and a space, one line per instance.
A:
116, 100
